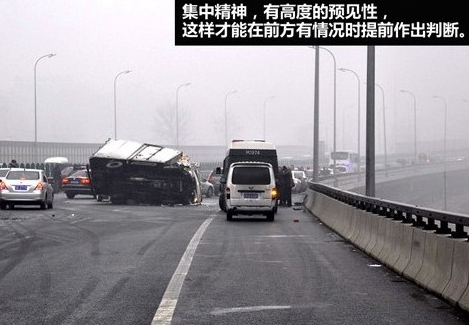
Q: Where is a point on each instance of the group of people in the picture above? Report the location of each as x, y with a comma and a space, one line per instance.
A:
285, 186
13, 164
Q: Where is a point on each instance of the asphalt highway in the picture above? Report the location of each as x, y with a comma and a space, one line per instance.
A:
89, 262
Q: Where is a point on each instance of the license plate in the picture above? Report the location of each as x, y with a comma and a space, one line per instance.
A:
21, 187
251, 195
74, 182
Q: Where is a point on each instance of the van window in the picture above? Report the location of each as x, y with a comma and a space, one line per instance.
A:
251, 175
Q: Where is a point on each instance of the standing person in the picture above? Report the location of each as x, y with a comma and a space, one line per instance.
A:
57, 176
281, 199
286, 184
13, 164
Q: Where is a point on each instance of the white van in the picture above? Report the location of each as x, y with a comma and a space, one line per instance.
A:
245, 150
250, 189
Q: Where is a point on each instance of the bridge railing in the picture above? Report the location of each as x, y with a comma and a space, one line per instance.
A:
442, 222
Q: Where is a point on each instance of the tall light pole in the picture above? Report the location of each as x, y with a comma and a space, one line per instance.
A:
177, 111
335, 99
444, 147
415, 122
35, 99
115, 100
384, 130
358, 145
226, 115
265, 104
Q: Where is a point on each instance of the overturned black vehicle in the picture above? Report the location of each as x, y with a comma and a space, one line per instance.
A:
128, 171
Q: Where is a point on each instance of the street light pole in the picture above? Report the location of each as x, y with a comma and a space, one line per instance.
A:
384, 130
415, 122
335, 98
35, 99
226, 115
444, 148
358, 145
115, 100
177, 112
265, 104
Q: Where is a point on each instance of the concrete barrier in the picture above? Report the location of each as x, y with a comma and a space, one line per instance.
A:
438, 263
457, 288
378, 247
404, 246
364, 222
374, 229
416, 255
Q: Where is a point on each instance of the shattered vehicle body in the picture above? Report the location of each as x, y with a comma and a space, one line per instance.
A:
143, 173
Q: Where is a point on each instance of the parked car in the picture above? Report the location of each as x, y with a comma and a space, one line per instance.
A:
214, 178
78, 182
300, 180
207, 188
23, 186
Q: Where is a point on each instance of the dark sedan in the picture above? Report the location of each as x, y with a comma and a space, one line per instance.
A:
78, 182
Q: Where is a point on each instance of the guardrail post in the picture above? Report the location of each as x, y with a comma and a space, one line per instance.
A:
459, 233
419, 221
408, 218
444, 229
431, 224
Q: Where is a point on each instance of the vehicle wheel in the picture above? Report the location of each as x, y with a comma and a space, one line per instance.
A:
118, 200
271, 216
11, 206
3, 206
209, 192
221, 203
229, 215
70, 195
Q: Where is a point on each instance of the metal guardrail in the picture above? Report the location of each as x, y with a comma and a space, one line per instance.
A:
442, 222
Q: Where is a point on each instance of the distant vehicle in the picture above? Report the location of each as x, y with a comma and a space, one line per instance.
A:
324, 171
214, 179
246, 150
23, 186
346, 158
207, 188
251, 189
425, 158
300, 180
77, 183
144, 173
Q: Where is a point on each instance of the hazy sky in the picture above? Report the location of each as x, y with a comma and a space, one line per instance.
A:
96, 40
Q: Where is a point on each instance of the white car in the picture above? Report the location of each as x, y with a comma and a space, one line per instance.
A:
300, 180
23, 186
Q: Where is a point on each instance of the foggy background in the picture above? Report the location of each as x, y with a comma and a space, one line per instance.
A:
96, 40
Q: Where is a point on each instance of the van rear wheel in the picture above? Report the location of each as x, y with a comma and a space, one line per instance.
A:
271, 216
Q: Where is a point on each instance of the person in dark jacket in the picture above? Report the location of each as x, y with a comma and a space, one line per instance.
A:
286, 184
13, 164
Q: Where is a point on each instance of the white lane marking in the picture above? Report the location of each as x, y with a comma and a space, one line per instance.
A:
165, 311
282, 236
222, 311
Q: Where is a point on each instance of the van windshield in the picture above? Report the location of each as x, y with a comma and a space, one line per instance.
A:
251, 175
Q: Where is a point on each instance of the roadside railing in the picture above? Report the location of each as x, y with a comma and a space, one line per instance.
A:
442, 222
